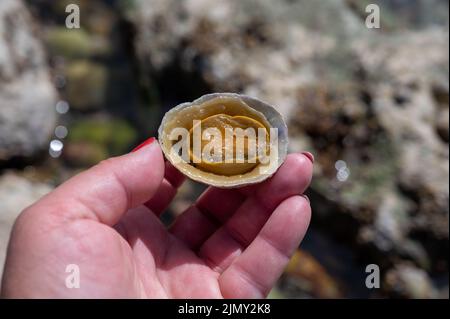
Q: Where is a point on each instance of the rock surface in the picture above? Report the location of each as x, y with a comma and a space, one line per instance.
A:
27, 96
86, 85
407, 108
407, 281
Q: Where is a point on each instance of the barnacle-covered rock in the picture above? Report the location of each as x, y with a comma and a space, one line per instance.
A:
224, 139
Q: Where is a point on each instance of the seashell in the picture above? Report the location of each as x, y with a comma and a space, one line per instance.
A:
193, 137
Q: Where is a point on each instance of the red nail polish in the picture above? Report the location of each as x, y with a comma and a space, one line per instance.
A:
309, 156
146, 142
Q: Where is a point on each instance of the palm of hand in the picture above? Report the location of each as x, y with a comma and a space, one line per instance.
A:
148, 263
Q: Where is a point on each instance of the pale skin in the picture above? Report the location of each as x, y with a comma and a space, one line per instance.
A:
228, 244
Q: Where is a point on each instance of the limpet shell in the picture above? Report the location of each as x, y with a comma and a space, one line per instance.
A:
233, 106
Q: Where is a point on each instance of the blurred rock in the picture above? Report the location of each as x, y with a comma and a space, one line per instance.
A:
70, 43
91, 141
86, 85
75, 43
405, 102
27, 96
16, 193
391, 221
442, 124
84, 154
242, 46
306, 274
407, 281
390, 229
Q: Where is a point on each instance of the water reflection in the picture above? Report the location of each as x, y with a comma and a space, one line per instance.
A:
343, 172
61, 131
62, 107
55, 148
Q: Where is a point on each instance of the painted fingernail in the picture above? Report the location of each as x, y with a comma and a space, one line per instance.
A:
309, 156
306, 197
145, 143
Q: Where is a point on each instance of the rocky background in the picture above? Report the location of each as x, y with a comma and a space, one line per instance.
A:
372, 105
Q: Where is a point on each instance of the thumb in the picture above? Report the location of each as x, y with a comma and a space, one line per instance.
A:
106, 191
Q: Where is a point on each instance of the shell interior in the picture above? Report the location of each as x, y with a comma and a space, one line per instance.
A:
231, 104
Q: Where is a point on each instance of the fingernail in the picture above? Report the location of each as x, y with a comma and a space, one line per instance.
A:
309, 156
306, 197
145, 143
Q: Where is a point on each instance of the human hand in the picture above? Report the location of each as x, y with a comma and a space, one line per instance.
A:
232, 243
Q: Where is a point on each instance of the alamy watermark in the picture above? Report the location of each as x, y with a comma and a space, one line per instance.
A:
230, 145
373, 277
73, 19
373, 17
73, 279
